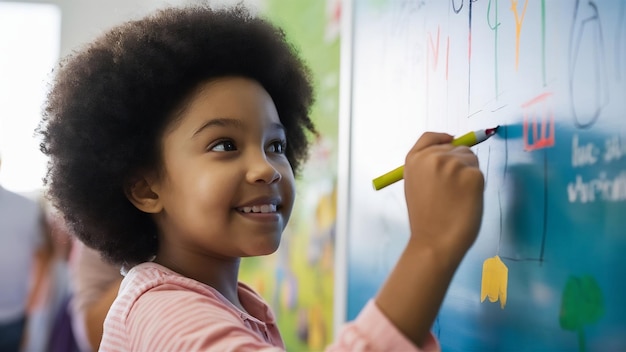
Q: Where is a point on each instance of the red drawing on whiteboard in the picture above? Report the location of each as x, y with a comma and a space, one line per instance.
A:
538, 125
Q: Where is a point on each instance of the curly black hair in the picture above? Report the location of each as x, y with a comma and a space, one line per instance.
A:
111, 101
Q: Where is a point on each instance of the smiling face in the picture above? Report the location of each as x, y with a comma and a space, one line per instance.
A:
226, 188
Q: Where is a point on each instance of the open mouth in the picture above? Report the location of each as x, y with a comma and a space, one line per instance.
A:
260, 209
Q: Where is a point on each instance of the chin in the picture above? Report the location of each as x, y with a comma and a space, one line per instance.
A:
263, 249
258, 253
267, 253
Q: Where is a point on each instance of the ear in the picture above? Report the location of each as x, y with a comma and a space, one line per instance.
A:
141, 191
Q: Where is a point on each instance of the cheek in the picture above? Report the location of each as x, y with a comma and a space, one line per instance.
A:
208, 192
289, 188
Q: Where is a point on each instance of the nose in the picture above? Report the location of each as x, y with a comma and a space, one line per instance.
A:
261, 170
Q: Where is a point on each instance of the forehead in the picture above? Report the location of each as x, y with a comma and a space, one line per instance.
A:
225, 97
231, 97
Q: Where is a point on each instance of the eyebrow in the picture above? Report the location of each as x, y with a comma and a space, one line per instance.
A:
226, 122
220, 122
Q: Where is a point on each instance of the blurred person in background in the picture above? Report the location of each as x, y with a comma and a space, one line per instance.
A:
25, 252
52, 317
95, 284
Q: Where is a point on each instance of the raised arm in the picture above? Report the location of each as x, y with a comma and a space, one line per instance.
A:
444, 195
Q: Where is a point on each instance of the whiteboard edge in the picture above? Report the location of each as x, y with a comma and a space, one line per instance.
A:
343, 169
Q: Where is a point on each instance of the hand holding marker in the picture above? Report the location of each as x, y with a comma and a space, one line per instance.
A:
468, 140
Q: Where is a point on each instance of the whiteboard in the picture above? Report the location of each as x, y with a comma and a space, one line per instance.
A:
552, 74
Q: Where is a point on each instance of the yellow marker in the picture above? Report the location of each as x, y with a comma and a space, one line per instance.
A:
469, 139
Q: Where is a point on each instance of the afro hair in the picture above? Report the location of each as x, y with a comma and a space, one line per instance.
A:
111, 101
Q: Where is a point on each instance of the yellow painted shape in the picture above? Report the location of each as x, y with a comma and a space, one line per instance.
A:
495, 281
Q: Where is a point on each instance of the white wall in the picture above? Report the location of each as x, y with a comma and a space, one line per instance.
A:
82, 20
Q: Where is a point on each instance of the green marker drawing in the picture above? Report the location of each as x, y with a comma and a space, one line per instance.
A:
582, 304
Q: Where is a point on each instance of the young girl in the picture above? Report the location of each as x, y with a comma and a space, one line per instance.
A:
173, 144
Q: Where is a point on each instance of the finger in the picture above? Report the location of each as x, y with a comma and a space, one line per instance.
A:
465, 155
468, 159
431, 138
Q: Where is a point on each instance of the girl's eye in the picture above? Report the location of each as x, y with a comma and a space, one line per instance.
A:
223, 146
277, 147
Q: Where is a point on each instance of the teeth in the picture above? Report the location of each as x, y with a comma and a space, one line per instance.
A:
265, 208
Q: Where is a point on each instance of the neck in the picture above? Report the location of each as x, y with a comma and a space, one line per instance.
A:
220, 273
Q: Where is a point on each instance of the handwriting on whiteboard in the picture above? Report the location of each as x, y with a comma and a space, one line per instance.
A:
601, 186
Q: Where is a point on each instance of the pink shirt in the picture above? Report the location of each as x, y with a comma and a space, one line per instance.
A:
160, 310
